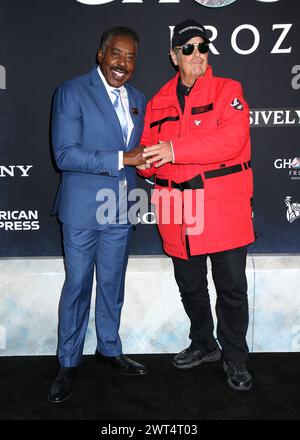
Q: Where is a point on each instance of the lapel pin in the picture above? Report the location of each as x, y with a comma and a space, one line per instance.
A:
197, 122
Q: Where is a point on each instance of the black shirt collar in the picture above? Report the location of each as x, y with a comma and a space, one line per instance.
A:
181, 92
182, 89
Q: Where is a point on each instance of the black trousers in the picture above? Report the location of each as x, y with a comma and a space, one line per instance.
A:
229, 275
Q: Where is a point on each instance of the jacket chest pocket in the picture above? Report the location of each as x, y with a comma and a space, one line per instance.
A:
165, 126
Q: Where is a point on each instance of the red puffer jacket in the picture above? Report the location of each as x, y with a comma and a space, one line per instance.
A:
210, 140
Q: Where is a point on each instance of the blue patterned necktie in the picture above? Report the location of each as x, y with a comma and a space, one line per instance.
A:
121, 114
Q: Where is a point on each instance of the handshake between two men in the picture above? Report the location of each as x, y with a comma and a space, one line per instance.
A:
143, 157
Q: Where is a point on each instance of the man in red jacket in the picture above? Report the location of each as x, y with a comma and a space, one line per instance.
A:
198, 146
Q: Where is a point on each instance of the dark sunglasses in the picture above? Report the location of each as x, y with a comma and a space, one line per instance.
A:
189, 48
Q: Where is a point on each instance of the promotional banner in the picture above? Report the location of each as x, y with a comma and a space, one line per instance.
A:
46, 42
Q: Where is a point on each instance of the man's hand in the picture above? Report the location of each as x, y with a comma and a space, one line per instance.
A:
144, 167
161, 153
134, 157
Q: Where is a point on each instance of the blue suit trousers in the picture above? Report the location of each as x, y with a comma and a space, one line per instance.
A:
86, 249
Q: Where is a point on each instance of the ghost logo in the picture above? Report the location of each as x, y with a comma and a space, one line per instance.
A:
2, 78
296, 163
215, 3
94, 2
237, 105
293, 210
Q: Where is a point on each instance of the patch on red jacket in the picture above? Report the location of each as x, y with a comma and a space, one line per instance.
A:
237, 104
202, 109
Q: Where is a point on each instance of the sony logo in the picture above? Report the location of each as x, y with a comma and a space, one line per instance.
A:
15, 170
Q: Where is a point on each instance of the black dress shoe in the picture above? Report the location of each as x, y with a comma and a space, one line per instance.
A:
61, 388
190, 358
123, 364
238, 377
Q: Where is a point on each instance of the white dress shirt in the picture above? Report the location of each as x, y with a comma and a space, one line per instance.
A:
125, 102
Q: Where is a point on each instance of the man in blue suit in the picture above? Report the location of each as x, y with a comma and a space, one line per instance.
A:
96, 128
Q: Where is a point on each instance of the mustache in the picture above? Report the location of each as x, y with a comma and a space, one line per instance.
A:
119, 69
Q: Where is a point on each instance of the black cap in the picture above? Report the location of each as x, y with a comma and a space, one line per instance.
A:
186, 30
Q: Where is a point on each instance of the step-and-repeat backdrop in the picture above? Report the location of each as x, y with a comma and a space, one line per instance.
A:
45, 42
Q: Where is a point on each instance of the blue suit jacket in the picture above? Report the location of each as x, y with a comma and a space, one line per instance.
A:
86, 138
